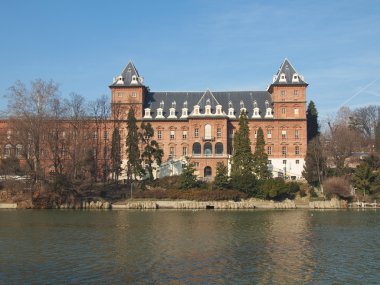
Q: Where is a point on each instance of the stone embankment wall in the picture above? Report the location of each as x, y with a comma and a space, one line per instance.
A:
245, 204
85, 205
329, 204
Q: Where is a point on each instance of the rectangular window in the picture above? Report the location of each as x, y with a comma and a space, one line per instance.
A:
296, 111
297, 150
231, 133
196, 164
95, 135
269, 134
184, 151
284, 161
196, 132
284, 150
172, 135
219, 132
297, 161
159, 134
120, 94
283, 135
269, 150
269, 161
172, 151
283, 110
295, 92
184, 135
133, 94
255, 134
283, 92
296, 134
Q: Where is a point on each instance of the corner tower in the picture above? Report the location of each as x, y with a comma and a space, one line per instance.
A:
127, 90
288, 91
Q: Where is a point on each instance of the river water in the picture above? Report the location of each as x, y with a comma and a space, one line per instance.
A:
189, 247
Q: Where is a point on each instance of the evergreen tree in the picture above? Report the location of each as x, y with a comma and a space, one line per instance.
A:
363, 178
188, 179
315, 163
89, 163
312, 121
134, 168
260, 157
377, 138
221, 177
242, 156
116, 154
152, 152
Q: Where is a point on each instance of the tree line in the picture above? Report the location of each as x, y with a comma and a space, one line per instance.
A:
343, 158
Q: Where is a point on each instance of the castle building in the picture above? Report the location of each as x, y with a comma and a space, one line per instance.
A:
201, 125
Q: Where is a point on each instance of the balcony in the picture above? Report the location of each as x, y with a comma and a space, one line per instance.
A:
208, 139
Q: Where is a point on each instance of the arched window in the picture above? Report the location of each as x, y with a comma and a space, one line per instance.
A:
207, 149
196, 149
207, 171
219, 148
207, 131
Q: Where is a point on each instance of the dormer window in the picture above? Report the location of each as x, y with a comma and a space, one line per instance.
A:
282, 77
196, 110
295, 78
147, 114
134, 79
219, 109
119, 80
160, 111
172, 113
256, 110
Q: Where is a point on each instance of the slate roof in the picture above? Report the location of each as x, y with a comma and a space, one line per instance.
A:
153, 100
288, 69
128, 72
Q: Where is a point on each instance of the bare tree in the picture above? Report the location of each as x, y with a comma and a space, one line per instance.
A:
365, 120
29, 111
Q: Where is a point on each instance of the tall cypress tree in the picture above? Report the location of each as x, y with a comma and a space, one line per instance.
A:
260, 157
134, 168
377, 137
315, 163
312, 121
116, 154
242, 156
152, 151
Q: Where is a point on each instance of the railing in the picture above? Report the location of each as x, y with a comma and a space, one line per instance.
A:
208, 139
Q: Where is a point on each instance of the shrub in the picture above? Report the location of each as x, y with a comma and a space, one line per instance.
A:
278, 189
245, 183
338, 187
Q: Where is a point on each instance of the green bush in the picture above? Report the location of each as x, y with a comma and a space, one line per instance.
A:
278, 189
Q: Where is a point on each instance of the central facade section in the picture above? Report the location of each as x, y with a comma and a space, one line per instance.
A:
201, 125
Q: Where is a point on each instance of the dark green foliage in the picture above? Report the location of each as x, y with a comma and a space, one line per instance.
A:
315, 163
116, 154
246, 183
242, 157
260, 158
278, 189
377, 138
188, 178
134, 168
366, 179
221, 178
152, 152
312, 121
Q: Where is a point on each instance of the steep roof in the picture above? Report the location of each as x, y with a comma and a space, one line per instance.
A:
127, 76
224, 98
287, 75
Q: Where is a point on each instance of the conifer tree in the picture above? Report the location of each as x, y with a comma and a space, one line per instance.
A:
260, 158
188, 179
116, 154
242, 156
221, 177
134, 168
152, 152
377, 138
312, 121
315, 163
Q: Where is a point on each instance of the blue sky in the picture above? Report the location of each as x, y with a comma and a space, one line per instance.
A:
195, 45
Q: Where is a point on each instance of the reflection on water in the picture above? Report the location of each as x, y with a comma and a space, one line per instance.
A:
192, 247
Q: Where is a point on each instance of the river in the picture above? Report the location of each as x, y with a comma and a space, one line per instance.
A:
189, 247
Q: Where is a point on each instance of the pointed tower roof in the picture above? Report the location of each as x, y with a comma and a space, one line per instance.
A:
287, 75
128, 77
